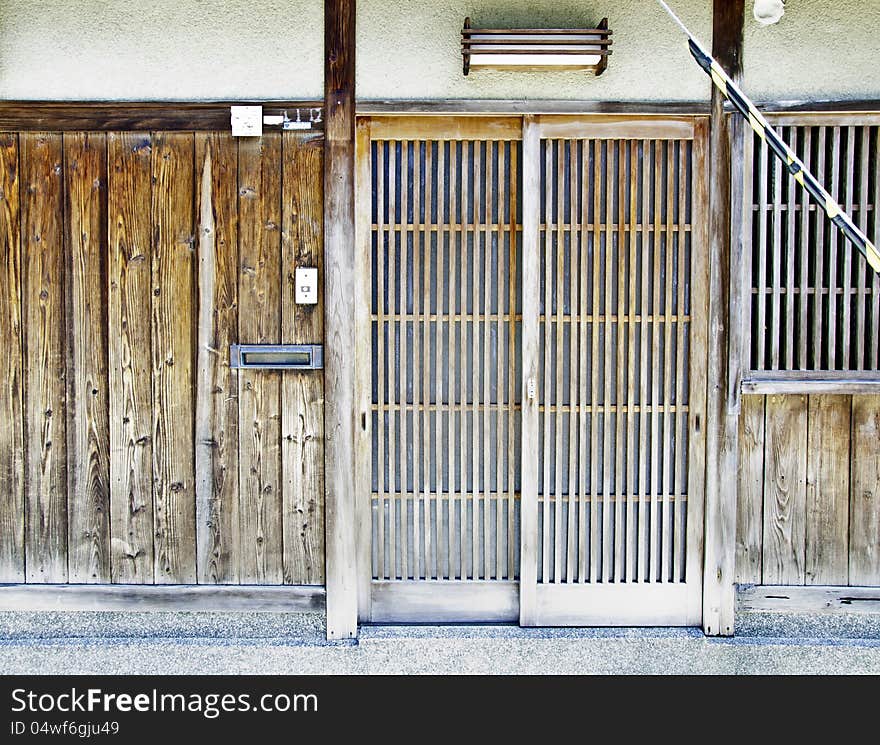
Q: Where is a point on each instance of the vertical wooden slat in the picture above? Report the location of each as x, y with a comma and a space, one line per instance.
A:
403, 536
803, 306
621, 368
785, 468
750, 491
584, 365
302, 396
631, 462
44, 362
833, 287
381, 346
608, 367
862, 274
487, 285
457, 367
558, 359
467, 229
393, 358
644, 369
364, 364
430, 196
545, 389
760, 328
575, 370
595, 310
259, 392
697, 373
531, 303
417, 358
790, 221
501, 442
679, 506
820, 338
12, 470
656, 451
88, 507
172, 343
864, 507
847, 198
131, 487
668, 483
828, 472
513, 283
216, 453
774, 259
475, 365
426, 364
874, 348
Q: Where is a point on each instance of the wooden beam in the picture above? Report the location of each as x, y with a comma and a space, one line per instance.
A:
133, 116
820, 599
157, 598
724, 347
339, 337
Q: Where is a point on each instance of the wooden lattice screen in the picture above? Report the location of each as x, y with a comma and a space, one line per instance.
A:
445, 383
813, 304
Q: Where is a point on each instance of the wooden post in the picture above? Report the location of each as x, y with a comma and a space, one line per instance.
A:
724, 326
339, 338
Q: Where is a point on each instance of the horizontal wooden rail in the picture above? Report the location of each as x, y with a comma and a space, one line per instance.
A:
155, 598
809, 382
815, 599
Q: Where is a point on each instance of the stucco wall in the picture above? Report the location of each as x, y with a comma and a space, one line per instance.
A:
208, 49
820, 49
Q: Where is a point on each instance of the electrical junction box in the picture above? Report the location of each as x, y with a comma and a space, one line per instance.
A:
247, 121
306, 285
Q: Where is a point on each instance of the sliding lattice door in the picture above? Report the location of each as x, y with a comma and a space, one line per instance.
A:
553, 261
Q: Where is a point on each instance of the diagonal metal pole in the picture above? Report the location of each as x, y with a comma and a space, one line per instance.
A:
762, 128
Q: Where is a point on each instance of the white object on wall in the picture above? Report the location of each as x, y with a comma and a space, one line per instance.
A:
247, 121
306, 285
768, 12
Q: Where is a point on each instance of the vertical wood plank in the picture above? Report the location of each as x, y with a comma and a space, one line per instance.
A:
259, 391
833, 278
584, 366
595, 310
682, 279
172, 347
803, 306
667, 503
130, 344
558, 360
621, 368
393, 358
846, 304
303, 446
644, 370
43, 314
486, 397
381, 344
417, 357
404, 374
632, 465
531, 305
750, 490
459, 366
88, 508
12, 474
828, 472
575, 369
656, 372
775, 257
513, 284
864, 519
339, 333
216, 453
475, 367
609, 367
501, 442
790, 221
364, 366
820, 337
785, 469
548, 364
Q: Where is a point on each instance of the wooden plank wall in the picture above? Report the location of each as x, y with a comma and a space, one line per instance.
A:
809, 490
130, 451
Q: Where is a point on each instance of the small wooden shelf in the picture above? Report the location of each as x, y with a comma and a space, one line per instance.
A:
536, 48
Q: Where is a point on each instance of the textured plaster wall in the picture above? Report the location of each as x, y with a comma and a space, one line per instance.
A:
261, 49
161, 49
820, 49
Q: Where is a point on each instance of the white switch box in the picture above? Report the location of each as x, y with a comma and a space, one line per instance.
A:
306, 281
247, 121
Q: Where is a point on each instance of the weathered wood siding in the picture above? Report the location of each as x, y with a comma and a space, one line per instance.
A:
130, 451
809, 490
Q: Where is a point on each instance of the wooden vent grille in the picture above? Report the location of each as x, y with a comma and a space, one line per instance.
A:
613, 382
446, 370
813, 303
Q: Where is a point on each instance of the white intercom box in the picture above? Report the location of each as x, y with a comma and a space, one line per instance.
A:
306, 281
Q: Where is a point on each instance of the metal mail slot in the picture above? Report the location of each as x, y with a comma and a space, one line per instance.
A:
277, 356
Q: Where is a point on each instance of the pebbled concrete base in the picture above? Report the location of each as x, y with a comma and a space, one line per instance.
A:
242, 643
